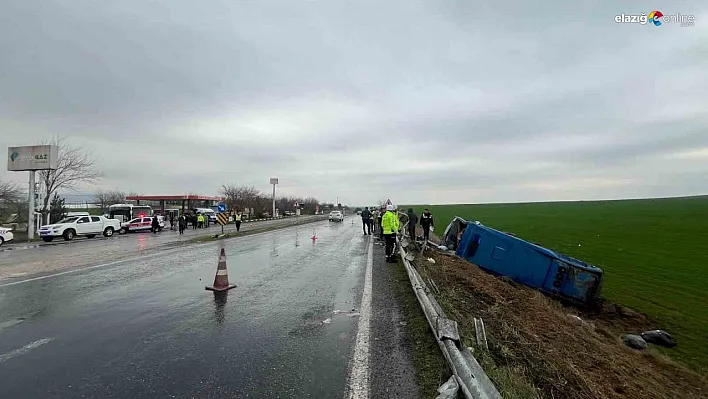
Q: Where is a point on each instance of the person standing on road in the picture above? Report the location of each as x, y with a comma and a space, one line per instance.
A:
426, 222
412, 222
237, 220
365, 220
155, 225
172, 220
379, 220
371, 219
200, 220
390, 227
182, 223
374, 220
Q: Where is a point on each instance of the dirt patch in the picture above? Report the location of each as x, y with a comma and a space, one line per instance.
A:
547, 351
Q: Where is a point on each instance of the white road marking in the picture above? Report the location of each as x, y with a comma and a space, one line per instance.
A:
24, 349
359, 376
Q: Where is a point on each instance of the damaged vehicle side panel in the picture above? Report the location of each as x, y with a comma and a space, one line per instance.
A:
527, 263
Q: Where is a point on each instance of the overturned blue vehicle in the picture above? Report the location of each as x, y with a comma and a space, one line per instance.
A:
527, 263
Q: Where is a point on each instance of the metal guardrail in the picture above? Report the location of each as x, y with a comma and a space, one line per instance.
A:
473, 381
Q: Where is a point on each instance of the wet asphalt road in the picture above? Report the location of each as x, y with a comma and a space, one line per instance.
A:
145, 327
19, 261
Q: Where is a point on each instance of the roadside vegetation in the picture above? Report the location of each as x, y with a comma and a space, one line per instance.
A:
431, 368
653, 253
539, 348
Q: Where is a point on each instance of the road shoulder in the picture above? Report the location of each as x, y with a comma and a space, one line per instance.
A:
405, 359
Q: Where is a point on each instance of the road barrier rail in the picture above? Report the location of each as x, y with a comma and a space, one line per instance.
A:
473, 381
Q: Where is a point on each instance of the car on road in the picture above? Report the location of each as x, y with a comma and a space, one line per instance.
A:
5, 235
141, 224
336, 216
88, 226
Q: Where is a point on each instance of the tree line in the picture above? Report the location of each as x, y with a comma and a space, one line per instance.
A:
240, 198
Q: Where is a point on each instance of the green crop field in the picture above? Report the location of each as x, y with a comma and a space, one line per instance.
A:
654, 253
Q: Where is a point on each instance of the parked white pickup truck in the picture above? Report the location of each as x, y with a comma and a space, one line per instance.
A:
88, 226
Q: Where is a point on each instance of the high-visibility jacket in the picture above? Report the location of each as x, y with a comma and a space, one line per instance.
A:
390, 223
237, 217
200, 218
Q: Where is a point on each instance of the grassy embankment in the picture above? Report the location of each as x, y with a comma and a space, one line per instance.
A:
654, 253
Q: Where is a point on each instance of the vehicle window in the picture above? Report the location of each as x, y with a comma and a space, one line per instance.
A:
68, 220
95, 219
84, 219
147, 220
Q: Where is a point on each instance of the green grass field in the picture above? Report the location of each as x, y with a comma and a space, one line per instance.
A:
654, 254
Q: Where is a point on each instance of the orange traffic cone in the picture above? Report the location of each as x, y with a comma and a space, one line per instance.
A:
221, 281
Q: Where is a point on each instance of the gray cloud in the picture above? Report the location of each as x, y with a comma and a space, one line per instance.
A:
418, 100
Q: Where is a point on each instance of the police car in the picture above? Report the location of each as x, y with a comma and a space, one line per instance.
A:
5, 235
141, 224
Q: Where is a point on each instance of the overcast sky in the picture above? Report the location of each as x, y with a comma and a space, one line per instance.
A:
424, 102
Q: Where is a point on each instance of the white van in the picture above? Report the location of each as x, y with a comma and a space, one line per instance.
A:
210, 213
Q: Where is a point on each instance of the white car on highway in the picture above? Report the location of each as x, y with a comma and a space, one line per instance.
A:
141, 224
89, 226
5, 235
336, 216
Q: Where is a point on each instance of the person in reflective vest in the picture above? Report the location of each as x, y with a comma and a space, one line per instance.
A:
390, 226
237, 220
200, 220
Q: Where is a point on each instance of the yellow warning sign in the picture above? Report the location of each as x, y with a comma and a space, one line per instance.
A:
221, 218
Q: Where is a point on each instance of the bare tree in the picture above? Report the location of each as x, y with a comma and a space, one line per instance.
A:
109, 197
74, 166
310, 205
13, 199
240, 197
10, 192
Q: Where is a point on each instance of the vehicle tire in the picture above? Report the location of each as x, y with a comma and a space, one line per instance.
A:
90, 235
108, 232
47, 239
123, 230
69, 235
2, 241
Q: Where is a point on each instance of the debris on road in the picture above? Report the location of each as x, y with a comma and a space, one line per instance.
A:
449, 389
327, 321
635, 341
481, 334
659, 337
431, 260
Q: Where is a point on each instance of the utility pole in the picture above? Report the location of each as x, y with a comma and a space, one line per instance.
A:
273, 181
30, 220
